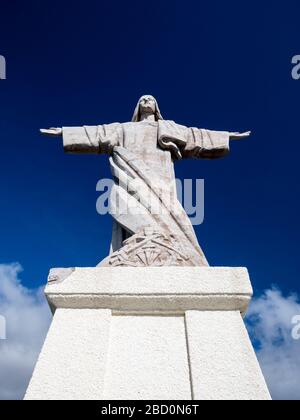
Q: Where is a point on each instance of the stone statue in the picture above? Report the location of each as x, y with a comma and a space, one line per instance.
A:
152, 229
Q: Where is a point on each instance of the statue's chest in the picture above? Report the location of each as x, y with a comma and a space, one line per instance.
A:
141, 138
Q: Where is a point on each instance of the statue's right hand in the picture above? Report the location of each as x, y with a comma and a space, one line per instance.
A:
52, 131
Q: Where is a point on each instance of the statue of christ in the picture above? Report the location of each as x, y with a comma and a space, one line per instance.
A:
142, 154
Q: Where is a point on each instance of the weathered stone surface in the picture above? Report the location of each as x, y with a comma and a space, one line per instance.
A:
57, 275
223, 363
73, 360
157, 369
153, 289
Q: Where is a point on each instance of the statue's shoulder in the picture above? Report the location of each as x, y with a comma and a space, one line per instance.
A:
128, 124
114, 125
172, 124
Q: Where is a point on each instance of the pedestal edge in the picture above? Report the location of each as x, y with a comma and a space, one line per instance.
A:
150, 289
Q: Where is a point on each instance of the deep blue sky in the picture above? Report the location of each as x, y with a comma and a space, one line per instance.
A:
218, 65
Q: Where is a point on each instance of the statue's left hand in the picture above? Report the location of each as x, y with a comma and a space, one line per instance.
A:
239, 136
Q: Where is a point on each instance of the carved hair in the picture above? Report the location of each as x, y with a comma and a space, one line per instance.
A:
137, 116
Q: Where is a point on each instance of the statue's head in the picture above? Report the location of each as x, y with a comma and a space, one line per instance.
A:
147, 104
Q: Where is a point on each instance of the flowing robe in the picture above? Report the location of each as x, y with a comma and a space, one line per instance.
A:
142, 158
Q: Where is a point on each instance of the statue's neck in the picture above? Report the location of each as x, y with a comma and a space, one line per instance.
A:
148, 117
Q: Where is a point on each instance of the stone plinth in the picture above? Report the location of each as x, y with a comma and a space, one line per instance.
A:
148, 333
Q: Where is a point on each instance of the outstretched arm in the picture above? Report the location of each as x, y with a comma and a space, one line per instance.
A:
191, 142
88, 139
208, 144
76, 139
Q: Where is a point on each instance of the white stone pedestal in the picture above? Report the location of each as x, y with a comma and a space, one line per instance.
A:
148, 333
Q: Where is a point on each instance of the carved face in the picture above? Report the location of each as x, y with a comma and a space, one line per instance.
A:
147, 105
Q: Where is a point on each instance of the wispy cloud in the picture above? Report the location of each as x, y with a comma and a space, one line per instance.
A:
270, 325
27, 321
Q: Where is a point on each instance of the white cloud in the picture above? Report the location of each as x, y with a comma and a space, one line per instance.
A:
27, 321
270, 325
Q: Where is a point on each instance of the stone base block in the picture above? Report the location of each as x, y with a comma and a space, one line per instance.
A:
172, 333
